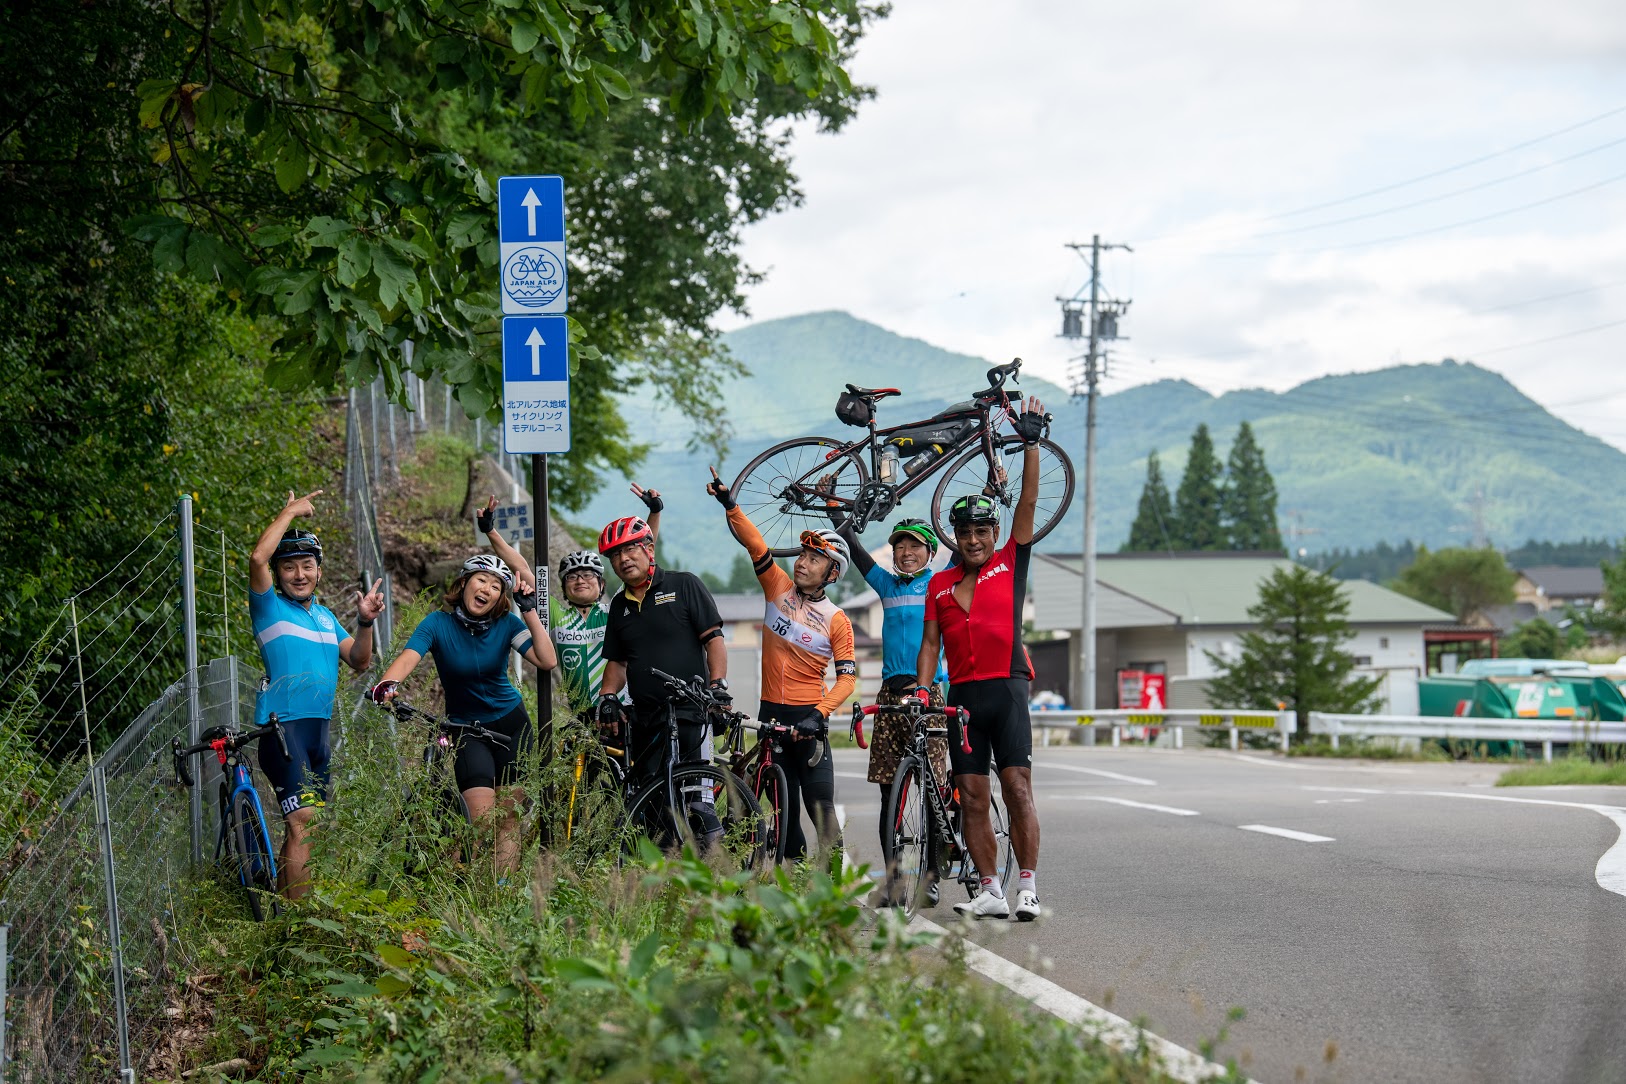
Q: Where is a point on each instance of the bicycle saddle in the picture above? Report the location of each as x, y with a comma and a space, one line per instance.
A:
872, 394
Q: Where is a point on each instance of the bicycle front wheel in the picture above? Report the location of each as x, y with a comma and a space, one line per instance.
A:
776, 489
256, 869
715, 813
908, 838
969, 474
771, 787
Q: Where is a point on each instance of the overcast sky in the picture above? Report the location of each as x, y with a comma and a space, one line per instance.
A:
1236, 144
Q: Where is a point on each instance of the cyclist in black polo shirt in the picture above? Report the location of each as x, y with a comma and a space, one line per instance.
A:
660, 620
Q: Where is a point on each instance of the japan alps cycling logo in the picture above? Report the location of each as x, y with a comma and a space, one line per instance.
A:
533, 276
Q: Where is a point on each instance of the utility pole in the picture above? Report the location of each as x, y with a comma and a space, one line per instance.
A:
1103, 326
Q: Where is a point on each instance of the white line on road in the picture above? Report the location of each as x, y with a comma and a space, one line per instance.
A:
1114, 1030
1127, 802
1346, 790
1285, 833
1270, 762
1337, 801
1611, 868
1102, 772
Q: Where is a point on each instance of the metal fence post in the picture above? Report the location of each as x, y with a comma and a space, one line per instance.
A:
115, 939
446, 413
189, 621
372, 416
5, 962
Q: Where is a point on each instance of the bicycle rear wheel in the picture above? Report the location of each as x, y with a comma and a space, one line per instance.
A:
907, 845
770, 787
255, 865
1002, 842
969, 474
776, 489
717, 815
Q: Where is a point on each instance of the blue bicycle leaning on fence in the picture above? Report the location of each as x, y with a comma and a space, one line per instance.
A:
244, 841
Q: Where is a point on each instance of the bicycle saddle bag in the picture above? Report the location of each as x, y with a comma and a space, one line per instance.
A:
854, 409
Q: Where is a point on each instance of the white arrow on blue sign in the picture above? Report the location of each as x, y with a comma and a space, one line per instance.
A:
531, 229
536, 384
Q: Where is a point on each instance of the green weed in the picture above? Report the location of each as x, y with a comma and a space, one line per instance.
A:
1571, 771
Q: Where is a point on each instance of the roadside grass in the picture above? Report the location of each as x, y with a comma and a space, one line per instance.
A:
407, 964
1571, 771
1368, 749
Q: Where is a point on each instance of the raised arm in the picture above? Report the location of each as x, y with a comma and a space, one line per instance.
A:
1030, 425
769, 575
486, 520
652, 501
855, 546
260, 579
357, 650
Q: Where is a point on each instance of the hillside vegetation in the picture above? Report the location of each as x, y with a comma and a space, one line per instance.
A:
1403, 452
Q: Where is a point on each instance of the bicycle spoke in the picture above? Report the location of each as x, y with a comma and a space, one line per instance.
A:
776, 489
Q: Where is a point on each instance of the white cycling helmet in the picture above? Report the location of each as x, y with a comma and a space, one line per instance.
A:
487, 562
581, 561
829, 544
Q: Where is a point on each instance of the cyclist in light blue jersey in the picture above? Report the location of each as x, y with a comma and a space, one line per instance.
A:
301, 644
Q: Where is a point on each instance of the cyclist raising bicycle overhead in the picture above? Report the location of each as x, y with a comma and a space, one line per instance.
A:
804, 635
974, 612
470, 639
579, 619
301, 647
659, 620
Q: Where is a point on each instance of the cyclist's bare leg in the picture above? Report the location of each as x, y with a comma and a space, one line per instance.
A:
1016, 787
979, 824
292, 879
483, 808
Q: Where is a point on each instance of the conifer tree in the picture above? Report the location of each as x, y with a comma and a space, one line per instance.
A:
1154, 519
1197, 502
1248, 502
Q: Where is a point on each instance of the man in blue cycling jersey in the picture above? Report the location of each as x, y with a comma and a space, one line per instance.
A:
301, 644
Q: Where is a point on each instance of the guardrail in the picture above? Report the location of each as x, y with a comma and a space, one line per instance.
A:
1467, 728
1178, 720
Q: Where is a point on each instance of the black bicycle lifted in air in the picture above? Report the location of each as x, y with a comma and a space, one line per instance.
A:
806, 483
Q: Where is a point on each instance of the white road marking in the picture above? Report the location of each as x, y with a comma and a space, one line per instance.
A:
1337, 801
1285, 833
1611, 868
1114, 1030
1273, 762
853, 775
1345, 790
1127, 802
1102, 772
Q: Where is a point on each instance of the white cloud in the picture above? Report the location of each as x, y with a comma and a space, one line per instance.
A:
1002, 131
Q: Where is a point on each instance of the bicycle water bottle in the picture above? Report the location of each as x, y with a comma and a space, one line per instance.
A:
889, 465
932, 454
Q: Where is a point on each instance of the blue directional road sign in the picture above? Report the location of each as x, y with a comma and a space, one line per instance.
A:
531, 229
536, 384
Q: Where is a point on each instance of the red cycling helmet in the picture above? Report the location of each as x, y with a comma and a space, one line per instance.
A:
622, 531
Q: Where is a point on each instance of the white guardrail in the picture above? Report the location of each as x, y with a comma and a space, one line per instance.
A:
1178, 720
1467, 728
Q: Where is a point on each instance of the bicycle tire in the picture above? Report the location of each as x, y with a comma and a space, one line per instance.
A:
254, 859
968, 474
759, 487
737, 811
1002, 842
769, 787
910, 828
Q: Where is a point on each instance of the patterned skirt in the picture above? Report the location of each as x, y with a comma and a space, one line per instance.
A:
890, 740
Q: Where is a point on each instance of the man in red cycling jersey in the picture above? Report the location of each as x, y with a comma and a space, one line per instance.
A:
974, 613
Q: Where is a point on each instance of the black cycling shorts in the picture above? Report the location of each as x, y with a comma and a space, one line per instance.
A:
483, 763
1000, 725
300, 778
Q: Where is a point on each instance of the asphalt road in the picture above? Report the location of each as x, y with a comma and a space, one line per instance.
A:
1435, 933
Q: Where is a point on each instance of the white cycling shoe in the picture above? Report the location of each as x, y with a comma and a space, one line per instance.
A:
985, 905
1027, 906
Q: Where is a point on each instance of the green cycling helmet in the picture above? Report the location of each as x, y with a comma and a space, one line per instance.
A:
917, 529
973, 508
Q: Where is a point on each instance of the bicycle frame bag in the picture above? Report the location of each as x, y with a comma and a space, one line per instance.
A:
854, 409
944, 434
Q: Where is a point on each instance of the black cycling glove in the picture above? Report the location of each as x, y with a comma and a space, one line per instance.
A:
1031, 426
612, 713
719, 692
526, 603
485, 519
652, 501
717, 489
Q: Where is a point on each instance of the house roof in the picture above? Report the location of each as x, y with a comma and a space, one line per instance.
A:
1558, 582
1214, 589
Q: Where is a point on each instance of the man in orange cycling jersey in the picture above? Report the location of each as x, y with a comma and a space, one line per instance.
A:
804, 634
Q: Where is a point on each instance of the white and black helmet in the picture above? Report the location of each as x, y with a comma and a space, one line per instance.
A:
581, 561
487, 562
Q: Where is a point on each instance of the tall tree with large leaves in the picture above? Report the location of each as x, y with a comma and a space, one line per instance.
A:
1295, 656
1457, 579
1197, 506
1154, 517
1248, 500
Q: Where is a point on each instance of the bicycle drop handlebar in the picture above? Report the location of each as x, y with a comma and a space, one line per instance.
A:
404, 711
227, 742
914, 709
794, 731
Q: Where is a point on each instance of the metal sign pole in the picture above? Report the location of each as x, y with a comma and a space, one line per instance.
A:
544, 559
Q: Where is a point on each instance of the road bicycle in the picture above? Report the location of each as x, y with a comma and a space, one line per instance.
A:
598, 772
242, 842
441, 819
925, 843
760, 768
697, 802
809, 482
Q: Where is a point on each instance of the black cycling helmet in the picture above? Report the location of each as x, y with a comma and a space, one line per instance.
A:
298, 543
973, 508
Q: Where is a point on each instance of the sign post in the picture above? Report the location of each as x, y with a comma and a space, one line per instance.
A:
535, 359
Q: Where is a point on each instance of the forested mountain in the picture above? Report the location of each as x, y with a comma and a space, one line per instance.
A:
1405, 452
